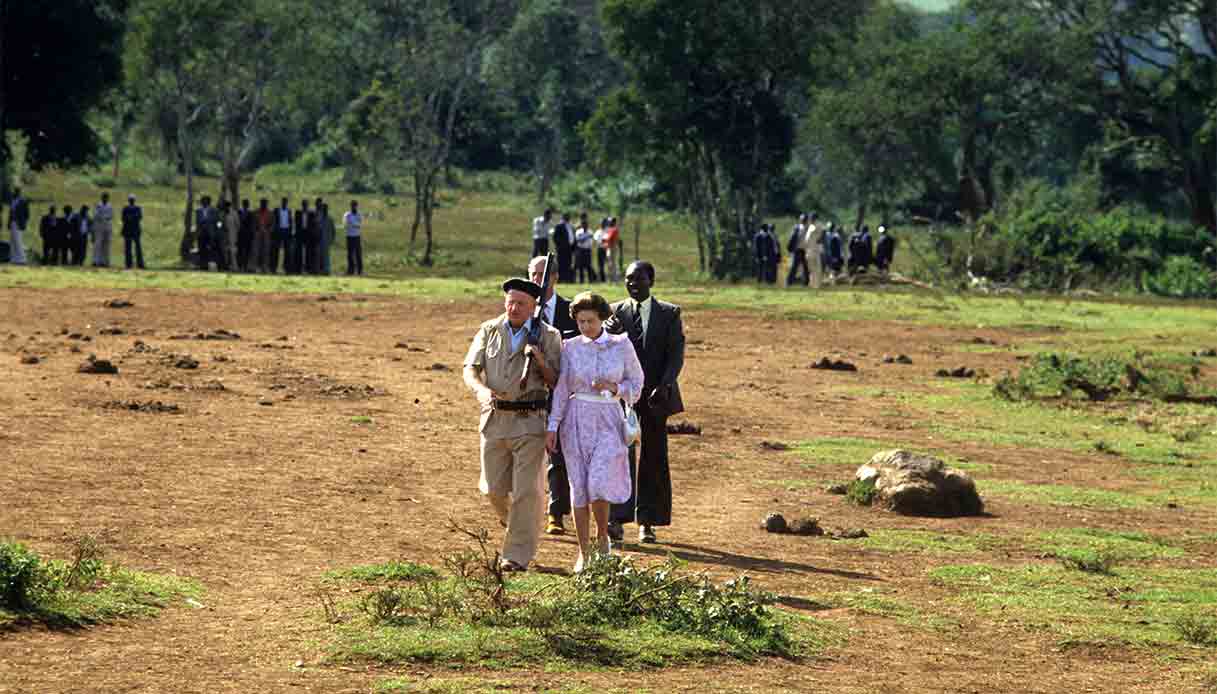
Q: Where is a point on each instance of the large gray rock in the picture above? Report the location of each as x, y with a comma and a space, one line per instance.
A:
918, 485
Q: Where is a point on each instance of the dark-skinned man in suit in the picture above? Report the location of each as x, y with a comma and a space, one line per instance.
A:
555, 311
658, 336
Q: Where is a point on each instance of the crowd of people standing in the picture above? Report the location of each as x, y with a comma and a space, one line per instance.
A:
246, 240
812, 244
576, 245
226, 237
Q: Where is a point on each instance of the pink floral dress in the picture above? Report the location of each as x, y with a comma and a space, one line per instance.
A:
590, 423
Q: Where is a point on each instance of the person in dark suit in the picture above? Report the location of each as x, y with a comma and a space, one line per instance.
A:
48, 229
281, 238
658, 336
885, 250
555, 311
564, 244
69, 235
304, 236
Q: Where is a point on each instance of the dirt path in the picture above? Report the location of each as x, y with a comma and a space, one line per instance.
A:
269, 476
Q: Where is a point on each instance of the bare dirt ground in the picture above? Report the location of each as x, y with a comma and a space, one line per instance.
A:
262, 481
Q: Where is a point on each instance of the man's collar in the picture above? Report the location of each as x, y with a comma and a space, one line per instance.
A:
507, 324
645, 301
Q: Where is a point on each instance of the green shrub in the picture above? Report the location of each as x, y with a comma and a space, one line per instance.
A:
1197, 629
1184, 278
1098, 377
1053, 238
23, 577
861, 492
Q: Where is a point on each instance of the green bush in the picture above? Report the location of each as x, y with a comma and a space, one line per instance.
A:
1053, 238
1200, 630
1098, 377
23, 577
1184, 278
861, 492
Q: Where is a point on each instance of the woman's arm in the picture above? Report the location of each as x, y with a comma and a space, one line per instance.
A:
562, 390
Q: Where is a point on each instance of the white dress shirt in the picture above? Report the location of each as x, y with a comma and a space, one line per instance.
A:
644, 313
353, 223
540, 228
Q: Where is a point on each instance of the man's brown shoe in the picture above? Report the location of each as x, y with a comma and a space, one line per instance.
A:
554, 526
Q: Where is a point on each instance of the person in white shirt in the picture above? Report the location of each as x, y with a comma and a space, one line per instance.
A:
540, 233
585, 241
18, 218
103, 230
282, 238
353, 223
797, 247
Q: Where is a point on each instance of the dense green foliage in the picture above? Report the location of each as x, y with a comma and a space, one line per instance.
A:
988, 114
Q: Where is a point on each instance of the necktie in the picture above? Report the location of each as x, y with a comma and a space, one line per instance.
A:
638, 327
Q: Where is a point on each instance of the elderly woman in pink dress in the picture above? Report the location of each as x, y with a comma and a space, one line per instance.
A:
598, 371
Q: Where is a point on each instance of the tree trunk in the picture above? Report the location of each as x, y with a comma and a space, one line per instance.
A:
418, 210
187, 235
114, 152
637, 239
427, 213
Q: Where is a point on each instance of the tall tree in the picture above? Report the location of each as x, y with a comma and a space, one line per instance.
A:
170, 54
57, 61
1152, 72
432, 52
707, 108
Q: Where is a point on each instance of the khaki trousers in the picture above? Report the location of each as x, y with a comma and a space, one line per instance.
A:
513, 479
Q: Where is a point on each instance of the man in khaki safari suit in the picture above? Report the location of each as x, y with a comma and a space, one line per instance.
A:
514, 417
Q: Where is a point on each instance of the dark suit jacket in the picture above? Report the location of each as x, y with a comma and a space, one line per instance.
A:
663, 355
562, 320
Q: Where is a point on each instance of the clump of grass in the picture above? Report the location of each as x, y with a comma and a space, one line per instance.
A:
1196, 629
615, 612
361, 419
1089, 561
83, 590
861, 492
1052, 375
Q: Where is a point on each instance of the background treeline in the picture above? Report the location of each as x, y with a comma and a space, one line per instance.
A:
1050, 143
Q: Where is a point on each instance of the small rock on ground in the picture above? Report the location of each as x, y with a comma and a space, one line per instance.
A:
93, 365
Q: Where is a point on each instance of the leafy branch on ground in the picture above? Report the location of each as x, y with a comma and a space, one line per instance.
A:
83, 590
612, 613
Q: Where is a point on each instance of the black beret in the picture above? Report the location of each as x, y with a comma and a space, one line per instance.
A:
519, 284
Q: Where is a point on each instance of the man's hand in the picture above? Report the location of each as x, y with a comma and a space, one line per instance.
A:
551, 441
487, 396
660, 394
537, 354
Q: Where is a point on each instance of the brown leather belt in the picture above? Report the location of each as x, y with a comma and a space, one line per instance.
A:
519, 405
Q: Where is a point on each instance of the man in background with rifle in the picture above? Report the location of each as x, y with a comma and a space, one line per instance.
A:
511, 365
555, 311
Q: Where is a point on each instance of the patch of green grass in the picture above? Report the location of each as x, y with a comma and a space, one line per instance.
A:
85, 591
929, 542
1062, 495
1120, 546
837, 450
361, 419
479, 685
1127, 605
972, 415
388, 571
614, 614
871, 601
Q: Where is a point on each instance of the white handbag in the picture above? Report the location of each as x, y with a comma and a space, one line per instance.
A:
633, 428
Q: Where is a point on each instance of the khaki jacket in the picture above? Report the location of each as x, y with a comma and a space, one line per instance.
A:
490, 353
